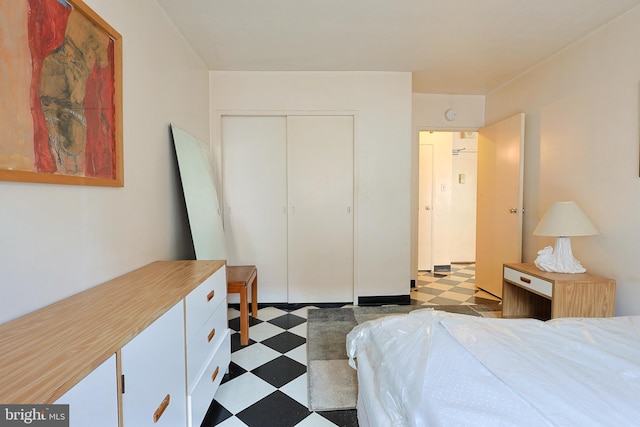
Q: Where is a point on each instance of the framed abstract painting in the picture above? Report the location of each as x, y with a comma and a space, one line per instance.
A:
60, 95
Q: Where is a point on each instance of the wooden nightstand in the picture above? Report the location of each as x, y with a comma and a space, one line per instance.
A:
530, 292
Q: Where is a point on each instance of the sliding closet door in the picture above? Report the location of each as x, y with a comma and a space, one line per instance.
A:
254, 177
320, 193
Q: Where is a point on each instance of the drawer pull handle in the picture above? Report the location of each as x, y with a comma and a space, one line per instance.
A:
211, 335
525, 279
161, 408
215, 374
210, 295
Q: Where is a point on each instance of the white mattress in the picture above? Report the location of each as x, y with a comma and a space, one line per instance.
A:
434, 368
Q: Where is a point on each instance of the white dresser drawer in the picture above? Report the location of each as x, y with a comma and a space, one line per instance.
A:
527, 281
205, 341
202, 301
200, 396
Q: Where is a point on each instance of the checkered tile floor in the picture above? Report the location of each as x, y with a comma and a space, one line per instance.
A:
455, 287
267, 380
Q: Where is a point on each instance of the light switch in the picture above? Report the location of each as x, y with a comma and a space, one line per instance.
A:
460, 178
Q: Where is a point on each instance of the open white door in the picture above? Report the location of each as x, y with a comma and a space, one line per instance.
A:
500, 200
425, 206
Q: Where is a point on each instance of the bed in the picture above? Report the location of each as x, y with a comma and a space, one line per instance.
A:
432, 368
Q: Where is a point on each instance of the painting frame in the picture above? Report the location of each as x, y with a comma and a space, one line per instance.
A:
75, 107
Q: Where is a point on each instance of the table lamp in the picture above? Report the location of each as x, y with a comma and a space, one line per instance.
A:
562, 220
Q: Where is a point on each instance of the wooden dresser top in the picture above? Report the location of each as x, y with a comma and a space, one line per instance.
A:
45, 353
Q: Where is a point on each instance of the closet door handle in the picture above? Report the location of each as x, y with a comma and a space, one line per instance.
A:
163, 406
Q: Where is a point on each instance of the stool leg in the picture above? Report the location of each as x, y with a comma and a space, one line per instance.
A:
254, 297
244, 317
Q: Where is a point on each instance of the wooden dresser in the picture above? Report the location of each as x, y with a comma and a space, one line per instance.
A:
147, 348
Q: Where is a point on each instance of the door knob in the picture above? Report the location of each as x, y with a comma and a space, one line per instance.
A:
513, 210
427, 208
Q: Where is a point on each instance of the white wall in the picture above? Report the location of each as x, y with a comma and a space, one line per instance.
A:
582, 144
57, 240
382, 103
428, 114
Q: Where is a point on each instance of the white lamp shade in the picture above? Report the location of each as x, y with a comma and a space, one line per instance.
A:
565, 219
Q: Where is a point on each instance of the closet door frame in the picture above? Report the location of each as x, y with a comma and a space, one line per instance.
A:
216, 154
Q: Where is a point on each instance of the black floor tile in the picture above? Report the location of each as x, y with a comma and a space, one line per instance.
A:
235, 343
280, 371
234, 372
430, 291
215, 415
235, 323
464, 291
287, 321
444, 301
347, 418
449, 282
284, 342
460, 274
275, 410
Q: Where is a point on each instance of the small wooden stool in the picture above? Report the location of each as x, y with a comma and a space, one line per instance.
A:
239, 278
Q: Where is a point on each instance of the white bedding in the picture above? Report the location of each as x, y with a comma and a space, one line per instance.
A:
431, 368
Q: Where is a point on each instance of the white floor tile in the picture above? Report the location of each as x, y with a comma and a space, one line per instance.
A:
456, 278
253, 356
264, 330
299, 354
232, 313
231, 422
269, 313
242, 392
467, 285
455, 296
297, 389
440, 286
315, 420
300, 330
302, 312
420, 296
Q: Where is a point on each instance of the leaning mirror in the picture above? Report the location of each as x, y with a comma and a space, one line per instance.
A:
200, 194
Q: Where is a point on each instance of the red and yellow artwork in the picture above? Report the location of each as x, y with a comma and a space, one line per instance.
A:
60, 95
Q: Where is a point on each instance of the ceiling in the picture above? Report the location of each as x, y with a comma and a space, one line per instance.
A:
450, 46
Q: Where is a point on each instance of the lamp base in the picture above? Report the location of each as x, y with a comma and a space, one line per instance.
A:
560, 261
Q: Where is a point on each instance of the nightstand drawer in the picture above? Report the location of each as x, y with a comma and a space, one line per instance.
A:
527, 281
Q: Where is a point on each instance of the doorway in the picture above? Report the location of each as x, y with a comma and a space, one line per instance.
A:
447, 199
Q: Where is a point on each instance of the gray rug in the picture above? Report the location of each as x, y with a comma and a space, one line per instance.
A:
332, 383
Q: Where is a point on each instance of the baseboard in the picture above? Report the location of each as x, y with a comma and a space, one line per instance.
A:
292, 307
384, 300
365, 301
